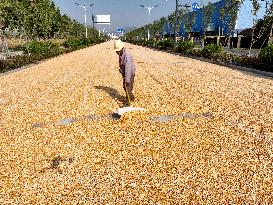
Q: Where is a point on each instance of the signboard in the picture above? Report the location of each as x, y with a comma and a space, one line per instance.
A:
195, 6
120, 30
102, 19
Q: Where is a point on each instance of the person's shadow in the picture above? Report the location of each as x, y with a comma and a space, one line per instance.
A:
113, 93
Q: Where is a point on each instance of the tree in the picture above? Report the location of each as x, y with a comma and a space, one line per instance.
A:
39, 19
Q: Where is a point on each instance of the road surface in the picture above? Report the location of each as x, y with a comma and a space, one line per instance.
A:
205, 137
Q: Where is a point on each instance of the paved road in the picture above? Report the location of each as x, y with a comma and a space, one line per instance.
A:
206, 136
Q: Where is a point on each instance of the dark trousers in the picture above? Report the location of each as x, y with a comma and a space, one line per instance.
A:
130, 87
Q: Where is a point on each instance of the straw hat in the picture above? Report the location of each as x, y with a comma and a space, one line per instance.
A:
118, 45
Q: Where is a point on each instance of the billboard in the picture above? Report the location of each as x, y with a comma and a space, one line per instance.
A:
102, 19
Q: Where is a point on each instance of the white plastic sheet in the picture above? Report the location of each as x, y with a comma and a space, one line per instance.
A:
123, 110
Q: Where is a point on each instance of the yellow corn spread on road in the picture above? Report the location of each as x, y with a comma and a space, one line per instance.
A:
205, 137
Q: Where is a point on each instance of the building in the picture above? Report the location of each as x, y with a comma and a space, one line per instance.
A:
215, 19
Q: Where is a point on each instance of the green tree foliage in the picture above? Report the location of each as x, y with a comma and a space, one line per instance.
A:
184, 46
39, 19
208, 10
266, 54
262, 28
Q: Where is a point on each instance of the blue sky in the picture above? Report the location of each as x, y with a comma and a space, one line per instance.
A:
245, 17
124, 13
128, 13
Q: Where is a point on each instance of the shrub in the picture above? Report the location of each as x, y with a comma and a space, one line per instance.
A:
145, 43
42, 48
166, 44
227, 58
78, 43
194, 52
151, 43
184, 46
211, 49
249, 61
138, 42
74, 43
17, 61
266, 54
141, 42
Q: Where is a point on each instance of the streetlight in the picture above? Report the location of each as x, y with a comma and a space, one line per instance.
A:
84, 8
149, 12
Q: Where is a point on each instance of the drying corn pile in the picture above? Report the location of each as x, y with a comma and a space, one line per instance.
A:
205, 137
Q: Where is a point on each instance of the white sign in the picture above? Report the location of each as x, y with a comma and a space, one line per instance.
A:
102, 19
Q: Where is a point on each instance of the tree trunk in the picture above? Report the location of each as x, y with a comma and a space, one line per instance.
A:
270, 40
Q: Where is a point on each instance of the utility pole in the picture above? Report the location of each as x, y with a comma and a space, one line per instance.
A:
93, 20
85, 22
175, 24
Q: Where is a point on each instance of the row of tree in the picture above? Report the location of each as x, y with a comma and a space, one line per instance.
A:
39, 19
157, 28
166, 24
